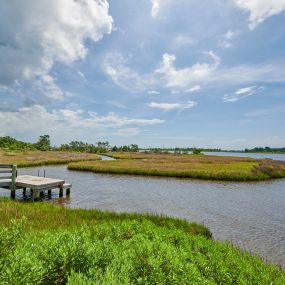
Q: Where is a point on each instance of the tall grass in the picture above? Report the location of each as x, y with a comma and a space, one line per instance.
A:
38, 158
118, 249
187, 166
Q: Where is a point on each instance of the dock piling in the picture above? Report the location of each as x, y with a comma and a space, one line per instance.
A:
61, 191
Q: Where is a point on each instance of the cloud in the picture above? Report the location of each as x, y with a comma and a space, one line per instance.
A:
46, 85
242, 93
155, 7
260, 10
183, 78
115, 66
195, 88
189, 78
172, 106
225, 42
153, 92
34, 35
81, 74
182, 41
37, 119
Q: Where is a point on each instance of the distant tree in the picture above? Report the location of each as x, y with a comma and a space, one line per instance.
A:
43, 143
134, 147
114, 148
196, 151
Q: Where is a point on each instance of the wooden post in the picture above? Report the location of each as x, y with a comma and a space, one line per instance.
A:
61, 191
67, 192
13, 182
49, 193
24, 191
36, 195
42, 194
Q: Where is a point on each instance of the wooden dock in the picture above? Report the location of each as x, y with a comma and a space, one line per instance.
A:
37, 185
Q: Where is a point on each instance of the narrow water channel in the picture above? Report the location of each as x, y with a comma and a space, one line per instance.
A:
250, 215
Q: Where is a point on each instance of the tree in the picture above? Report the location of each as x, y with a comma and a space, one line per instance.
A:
196, 151
134, 147
43, 143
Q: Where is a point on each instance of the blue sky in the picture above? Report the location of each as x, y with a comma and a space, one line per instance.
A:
153, 72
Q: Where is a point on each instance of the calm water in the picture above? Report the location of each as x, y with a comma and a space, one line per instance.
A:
253, 155
250, 215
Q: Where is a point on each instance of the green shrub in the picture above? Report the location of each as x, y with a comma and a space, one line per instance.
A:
128, 252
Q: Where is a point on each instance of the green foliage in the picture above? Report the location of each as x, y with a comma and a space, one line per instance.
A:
126, 148
128, 252
43, 143
13, 144
266, 150
196, 151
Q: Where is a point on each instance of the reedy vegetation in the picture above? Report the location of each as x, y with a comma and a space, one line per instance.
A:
38, 158
187, 166
94, 247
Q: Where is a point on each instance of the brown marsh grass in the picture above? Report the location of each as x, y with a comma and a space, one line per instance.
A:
187, 166
37, 158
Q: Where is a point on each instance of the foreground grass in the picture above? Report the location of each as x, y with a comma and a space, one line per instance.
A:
79, 247
38, 158
187, 166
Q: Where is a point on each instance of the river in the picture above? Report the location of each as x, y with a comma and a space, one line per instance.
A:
250, 215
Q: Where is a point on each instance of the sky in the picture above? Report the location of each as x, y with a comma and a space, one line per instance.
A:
159, 73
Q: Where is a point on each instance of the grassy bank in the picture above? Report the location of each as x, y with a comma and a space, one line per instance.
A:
187, 166
38, 158
54, 245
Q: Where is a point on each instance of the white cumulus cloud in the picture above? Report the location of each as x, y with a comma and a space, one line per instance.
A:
36, 34
260, 10
184, 77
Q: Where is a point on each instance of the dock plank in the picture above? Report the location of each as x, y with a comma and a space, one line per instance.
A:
38, 183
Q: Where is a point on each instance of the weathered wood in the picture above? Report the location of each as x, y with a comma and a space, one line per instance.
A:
66, 185
4, 183
61, 191
42, 194
6, 171
5, 177
6, 165
38, 183
36, 194
13, 181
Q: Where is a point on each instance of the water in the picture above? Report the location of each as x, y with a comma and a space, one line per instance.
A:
250, 215
275, 156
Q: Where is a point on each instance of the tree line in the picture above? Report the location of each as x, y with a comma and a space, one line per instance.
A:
44, 144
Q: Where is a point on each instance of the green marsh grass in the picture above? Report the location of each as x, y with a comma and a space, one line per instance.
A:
79, 247
187, 166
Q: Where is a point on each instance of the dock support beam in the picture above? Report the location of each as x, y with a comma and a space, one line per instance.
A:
13, 182
61, 191
67, 192
36, 194
49, 193
24, 191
